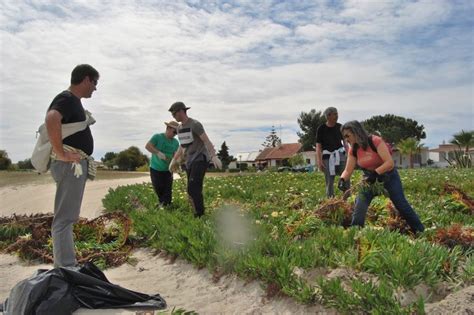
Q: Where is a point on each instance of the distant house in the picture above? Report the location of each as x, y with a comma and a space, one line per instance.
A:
244, 159
445, 152
277, 156
101, 165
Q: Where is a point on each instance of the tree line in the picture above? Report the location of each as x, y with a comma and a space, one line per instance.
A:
403, 133
391, 128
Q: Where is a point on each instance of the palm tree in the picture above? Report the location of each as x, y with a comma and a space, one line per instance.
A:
464, 139
409, 146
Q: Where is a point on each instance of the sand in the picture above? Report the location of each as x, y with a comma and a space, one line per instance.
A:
30, 199
181, 284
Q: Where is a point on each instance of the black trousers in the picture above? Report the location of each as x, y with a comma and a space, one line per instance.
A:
162, 182
195, 174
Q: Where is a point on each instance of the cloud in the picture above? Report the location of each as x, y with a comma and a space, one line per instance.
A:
242, 66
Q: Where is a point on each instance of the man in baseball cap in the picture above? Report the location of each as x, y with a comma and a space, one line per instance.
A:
163, 146
177, 107
199, 151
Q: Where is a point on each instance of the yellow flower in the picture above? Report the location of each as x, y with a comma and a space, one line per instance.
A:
274, 214
257, 222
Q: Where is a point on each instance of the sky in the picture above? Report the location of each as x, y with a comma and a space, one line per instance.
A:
242, 66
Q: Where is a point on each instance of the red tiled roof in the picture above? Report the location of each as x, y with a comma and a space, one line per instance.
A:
284, 151
263, 155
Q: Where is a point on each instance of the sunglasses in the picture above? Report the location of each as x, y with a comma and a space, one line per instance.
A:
94, 81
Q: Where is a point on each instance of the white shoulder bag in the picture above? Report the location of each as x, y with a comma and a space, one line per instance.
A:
40, 158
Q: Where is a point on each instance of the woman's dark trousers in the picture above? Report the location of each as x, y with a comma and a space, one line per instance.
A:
393, 185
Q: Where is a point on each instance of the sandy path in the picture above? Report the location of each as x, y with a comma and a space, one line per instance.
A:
40, 198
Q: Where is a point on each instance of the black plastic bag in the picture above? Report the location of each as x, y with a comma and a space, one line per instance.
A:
64, 290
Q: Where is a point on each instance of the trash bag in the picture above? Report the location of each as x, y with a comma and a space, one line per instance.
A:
64, 290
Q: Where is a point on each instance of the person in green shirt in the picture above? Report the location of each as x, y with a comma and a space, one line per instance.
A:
162, 147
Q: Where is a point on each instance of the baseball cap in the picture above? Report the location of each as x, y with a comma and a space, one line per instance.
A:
178, 106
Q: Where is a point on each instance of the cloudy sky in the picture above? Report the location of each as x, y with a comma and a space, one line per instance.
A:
242, 66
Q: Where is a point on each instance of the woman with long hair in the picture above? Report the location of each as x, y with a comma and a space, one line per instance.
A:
372, 154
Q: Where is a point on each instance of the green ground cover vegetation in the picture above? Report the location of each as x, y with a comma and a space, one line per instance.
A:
266, 227
279, 229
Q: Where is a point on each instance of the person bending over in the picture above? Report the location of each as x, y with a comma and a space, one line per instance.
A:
377, 165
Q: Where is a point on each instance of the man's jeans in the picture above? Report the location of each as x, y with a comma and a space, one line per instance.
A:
67, 205
163, 184
394, 187
196, 173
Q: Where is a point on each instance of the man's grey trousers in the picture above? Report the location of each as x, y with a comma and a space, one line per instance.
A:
67, 205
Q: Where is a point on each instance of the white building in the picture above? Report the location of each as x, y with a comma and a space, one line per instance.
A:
309, 157
445, 152
244, 158
277, 156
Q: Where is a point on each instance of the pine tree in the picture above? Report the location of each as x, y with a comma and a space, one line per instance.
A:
224, 156
394, 129
272, 140
309, 123
5, 162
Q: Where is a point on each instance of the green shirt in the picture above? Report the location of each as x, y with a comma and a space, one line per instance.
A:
165, 145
